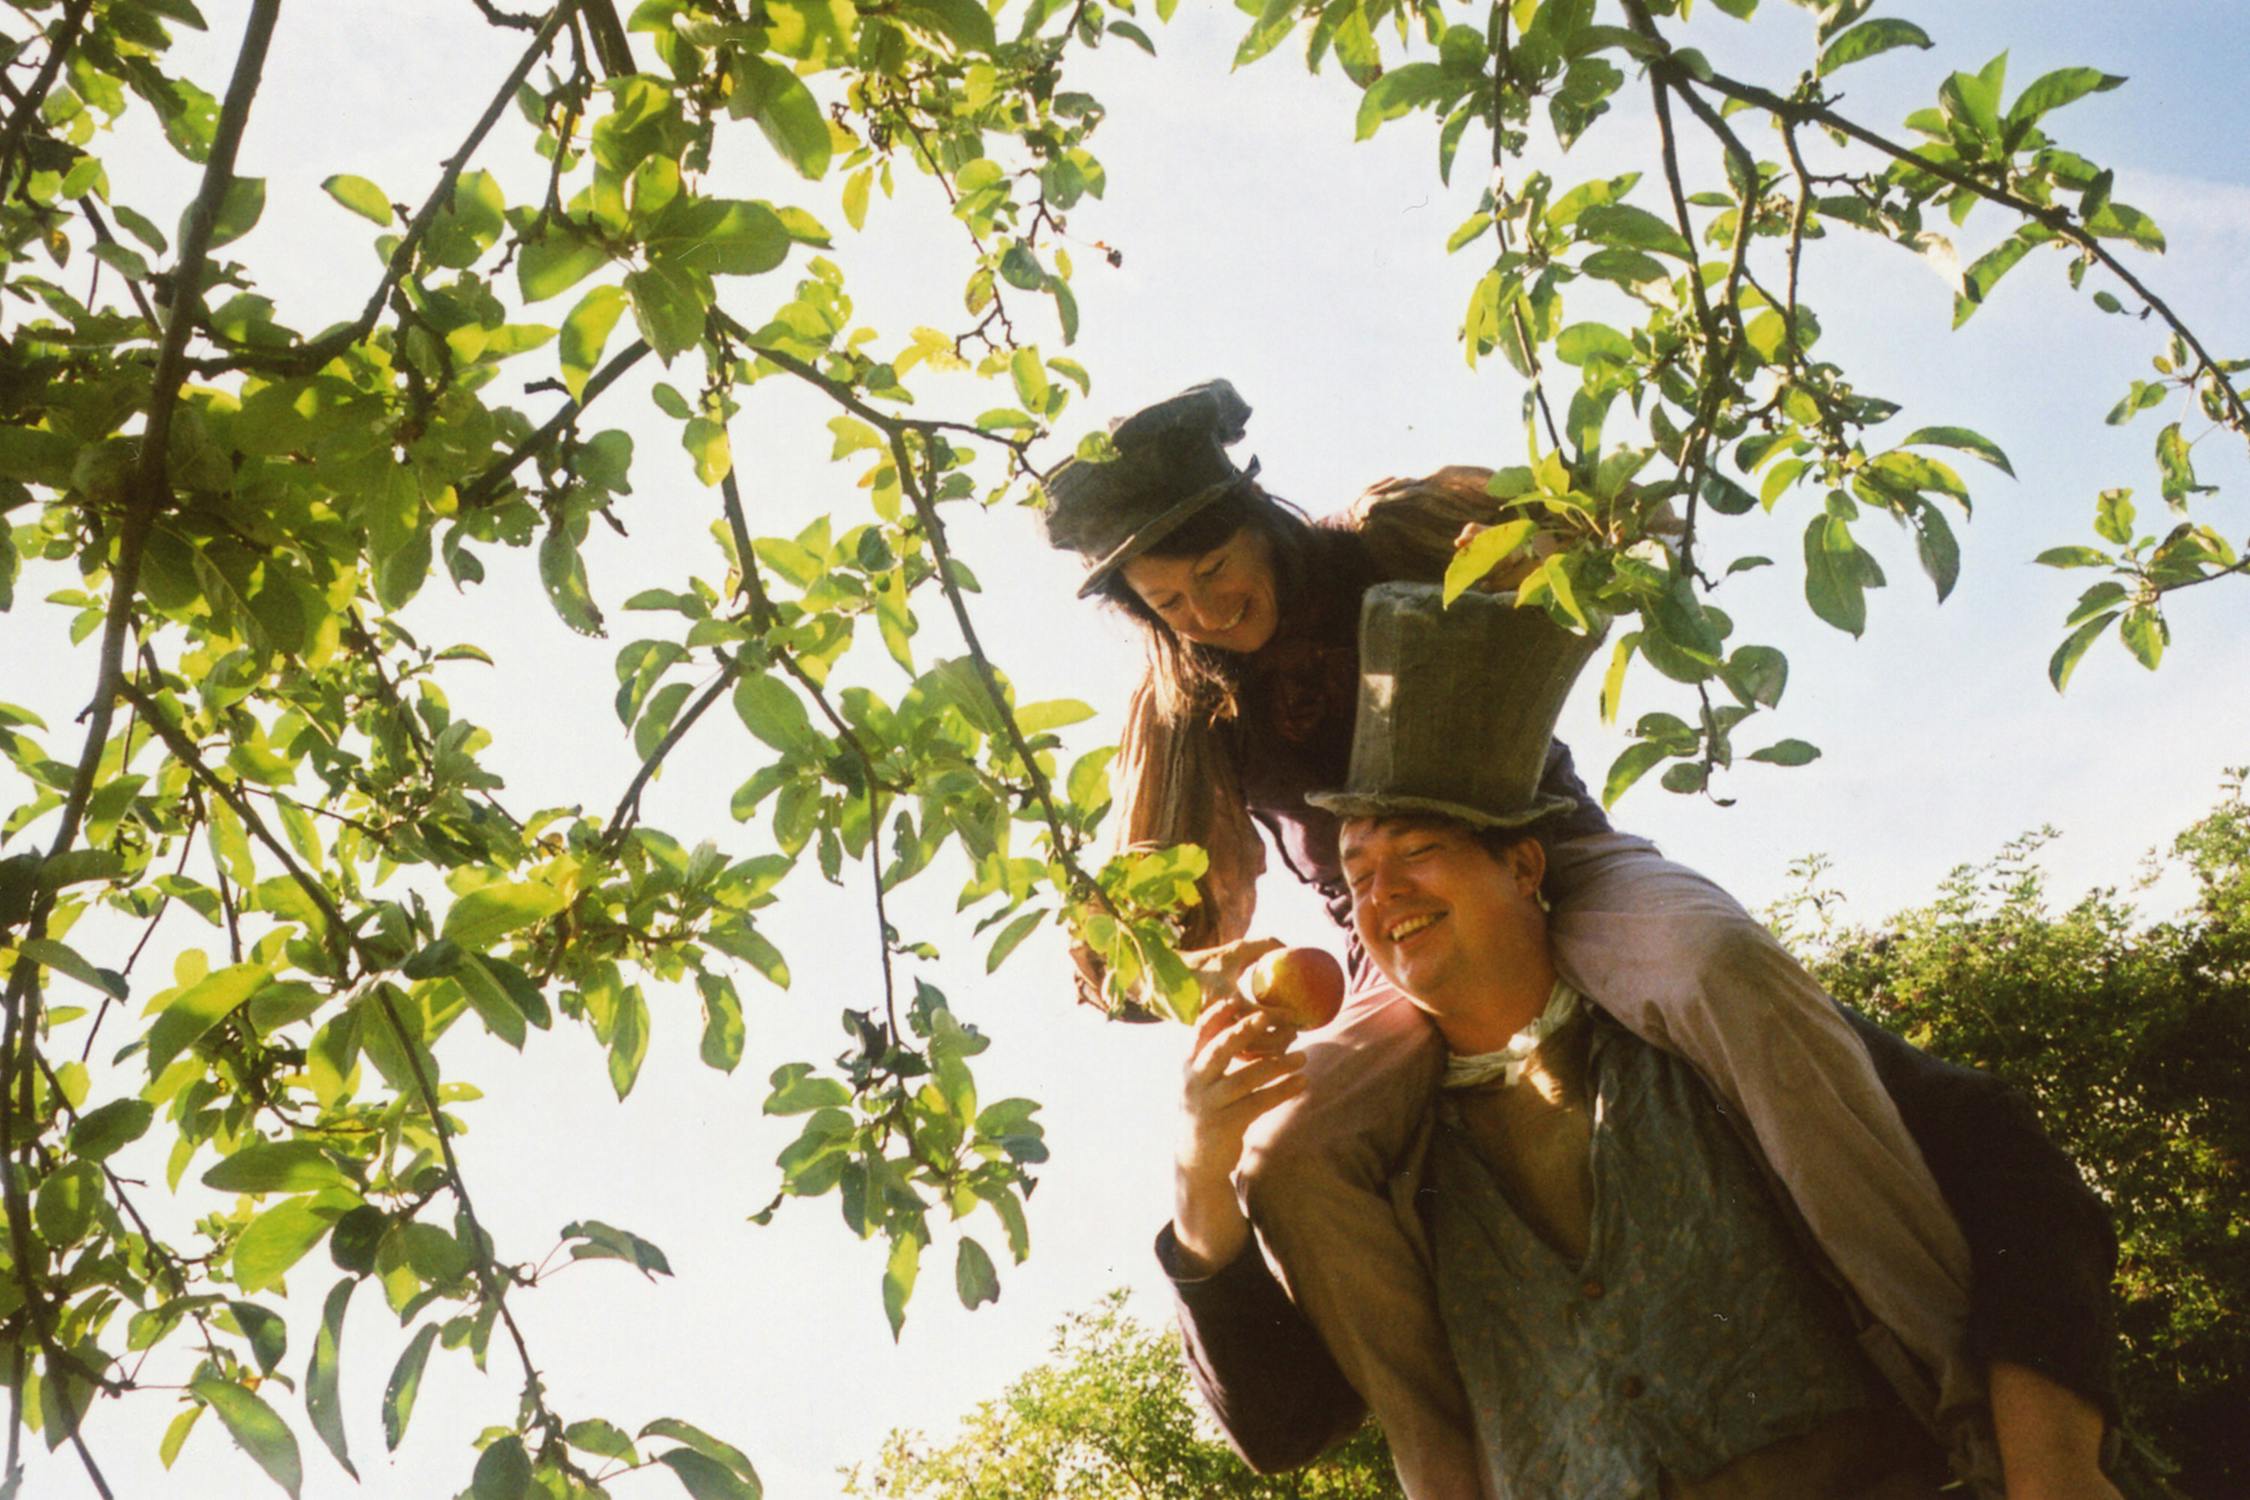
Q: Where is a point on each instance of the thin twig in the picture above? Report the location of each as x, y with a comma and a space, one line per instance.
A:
307, 358
2049, 215
487, 486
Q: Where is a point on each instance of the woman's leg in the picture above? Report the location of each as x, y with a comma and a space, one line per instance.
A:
1680, 963
1317, 1181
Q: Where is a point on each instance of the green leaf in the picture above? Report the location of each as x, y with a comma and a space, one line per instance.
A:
797, 1091
1633, 228
1486, 551
503, 1471
488, 913
598, 1241
198, 1008
706, 442
256, 1429
1787, 753
899, 1273
1979, 280
492, 1000
2056, 89
1868, 39
1401, 91
722, 1022
1759, 674
710, 1447
2113, 517
175, 1438
785, 110
1936, 548
973, 1276
705, 1478
268, 1335
628, 1040
1013, 934
668, 307
64, 959
1687, 778
2145, 634
108, 1128
2122, 221
277, 1167
563, 573
278, 1238
1629, 767
1583, 341
1832, 579
718, 237
360, 196
2065, 660
602, 1439
964, 23
2073, 557
405, 1383
323, 1397
1965, 440
65, 1206
585, 333
556, 261
771, 710
239, 211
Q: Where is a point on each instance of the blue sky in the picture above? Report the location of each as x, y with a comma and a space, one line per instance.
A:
1259, 243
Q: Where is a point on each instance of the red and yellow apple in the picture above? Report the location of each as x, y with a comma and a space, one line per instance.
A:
1304, 984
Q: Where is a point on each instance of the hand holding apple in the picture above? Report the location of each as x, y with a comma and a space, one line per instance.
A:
1304, 984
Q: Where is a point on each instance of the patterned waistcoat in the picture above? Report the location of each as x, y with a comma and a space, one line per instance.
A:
1695, 1332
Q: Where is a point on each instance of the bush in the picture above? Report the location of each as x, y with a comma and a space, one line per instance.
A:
2133, 1041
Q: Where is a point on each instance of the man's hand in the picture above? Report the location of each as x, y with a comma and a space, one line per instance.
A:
1237, 1070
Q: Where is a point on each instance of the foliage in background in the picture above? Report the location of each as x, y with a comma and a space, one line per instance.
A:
1112, 1416
2133, 1041
232, 507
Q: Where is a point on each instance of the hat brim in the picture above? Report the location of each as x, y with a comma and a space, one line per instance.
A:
1161, 526
1346, 805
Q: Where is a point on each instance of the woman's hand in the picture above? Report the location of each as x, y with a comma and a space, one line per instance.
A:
1220, 969
1237, 1070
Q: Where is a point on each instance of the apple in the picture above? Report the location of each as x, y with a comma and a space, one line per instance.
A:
1304, 984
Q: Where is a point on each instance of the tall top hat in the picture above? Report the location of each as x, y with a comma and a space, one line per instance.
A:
1171, 463
1457, 706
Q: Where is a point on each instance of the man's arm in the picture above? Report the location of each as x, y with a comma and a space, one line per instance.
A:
1269, 1380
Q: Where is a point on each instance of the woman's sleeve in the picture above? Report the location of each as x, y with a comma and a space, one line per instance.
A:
1174, 783
1409, 525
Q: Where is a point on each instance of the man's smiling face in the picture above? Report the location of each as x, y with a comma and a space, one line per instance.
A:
1442, 917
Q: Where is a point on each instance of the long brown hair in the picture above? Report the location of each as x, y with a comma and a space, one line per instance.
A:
1191, 679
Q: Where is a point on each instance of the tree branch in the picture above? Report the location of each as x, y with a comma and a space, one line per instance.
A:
2053, 217
27, 108
308, 358
487, 486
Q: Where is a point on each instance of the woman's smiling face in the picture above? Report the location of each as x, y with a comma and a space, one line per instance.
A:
1224, 598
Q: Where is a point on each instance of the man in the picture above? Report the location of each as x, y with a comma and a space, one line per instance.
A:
1631, 1308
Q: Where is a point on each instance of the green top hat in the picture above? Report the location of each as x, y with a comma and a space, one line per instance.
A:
1171, 463
1456, 707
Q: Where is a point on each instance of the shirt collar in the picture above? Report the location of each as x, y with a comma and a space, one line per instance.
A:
1507, 1063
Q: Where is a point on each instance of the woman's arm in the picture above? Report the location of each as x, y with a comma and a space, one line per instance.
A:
1174, 783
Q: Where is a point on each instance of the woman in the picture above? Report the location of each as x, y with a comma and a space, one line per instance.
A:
1250, 612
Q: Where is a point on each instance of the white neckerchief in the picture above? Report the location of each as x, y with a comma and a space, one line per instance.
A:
1507, 1064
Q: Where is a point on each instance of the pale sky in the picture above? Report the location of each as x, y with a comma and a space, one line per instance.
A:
1260, 244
